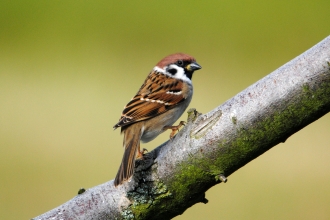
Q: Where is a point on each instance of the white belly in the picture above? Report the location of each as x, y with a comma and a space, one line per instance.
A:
153, 127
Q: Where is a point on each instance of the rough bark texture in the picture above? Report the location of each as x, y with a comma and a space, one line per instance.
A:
214, 145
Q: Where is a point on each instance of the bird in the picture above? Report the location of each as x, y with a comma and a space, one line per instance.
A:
158, 104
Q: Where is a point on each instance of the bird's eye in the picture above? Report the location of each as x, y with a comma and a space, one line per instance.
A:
179, 62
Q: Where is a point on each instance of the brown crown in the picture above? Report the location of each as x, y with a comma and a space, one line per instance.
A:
173, 58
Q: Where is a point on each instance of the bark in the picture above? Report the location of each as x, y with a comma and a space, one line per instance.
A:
214, 145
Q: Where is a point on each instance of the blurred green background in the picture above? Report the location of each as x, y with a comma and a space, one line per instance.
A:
67, 68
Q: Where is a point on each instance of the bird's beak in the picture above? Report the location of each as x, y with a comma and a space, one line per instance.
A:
193, 66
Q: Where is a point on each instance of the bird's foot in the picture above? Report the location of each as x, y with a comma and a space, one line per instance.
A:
140, 154
174, 128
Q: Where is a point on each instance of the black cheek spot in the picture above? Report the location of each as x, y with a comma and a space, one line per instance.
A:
172, 71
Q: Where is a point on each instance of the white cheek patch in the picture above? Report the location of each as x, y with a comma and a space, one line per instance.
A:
180, 74
157, 69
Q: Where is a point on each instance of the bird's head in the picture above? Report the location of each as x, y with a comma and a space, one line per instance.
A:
179, 65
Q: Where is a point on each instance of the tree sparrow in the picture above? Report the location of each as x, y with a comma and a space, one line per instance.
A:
161, 100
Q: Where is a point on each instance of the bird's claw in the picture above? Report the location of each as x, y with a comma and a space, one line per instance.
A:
141, 153
174, 129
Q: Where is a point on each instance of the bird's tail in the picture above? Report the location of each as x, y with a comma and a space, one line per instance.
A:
132, 135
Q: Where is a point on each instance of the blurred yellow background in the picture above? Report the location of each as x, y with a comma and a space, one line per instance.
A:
67, 68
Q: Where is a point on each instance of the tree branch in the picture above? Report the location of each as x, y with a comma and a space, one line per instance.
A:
214, 145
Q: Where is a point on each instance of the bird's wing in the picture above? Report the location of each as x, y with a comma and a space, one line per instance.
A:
158, 94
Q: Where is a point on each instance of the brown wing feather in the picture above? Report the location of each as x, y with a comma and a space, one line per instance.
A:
158, 94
